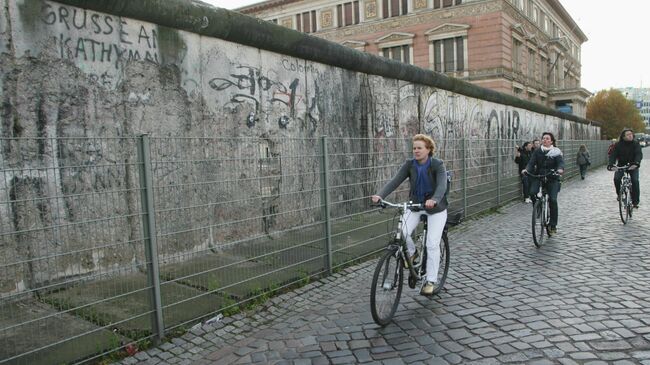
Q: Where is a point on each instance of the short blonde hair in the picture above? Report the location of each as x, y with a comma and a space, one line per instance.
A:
428, 142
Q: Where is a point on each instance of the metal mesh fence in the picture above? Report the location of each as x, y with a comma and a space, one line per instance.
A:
72, 248
110, 244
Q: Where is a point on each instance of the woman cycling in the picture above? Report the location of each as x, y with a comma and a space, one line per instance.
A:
544, 159
428, 185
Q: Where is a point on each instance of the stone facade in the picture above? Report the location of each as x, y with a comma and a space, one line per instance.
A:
530, 49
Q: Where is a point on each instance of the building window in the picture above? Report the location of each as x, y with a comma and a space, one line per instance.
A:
437, 4
531, 64
348, 13
543, 67
516, 51
536, 15
394, 8
306, 22
398, 53
449, 54
546, 23
519, 4
555, 75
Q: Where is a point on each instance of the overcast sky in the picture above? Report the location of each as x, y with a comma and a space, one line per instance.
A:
617, 53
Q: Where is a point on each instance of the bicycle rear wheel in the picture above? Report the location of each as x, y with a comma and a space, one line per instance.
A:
537, 223
628, 204
444, 264
622, 204
387, 283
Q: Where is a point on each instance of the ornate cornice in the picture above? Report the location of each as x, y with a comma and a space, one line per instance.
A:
447, 30
431, 16
564, 15
353, 44
395, 37
264, 5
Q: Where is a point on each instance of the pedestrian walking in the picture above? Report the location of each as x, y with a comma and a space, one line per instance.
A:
583, 160
522, 156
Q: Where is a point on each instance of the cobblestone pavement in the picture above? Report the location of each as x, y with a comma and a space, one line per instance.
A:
583, 298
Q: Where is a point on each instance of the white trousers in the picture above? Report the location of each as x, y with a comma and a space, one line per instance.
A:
436, 224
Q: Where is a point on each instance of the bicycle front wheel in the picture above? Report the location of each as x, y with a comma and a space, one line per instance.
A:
387, 282
623, 206
537, 223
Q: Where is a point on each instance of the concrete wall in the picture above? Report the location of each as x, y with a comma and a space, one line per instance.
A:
176, 68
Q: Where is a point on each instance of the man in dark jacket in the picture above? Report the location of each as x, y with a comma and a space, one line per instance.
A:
522, 156
627, 151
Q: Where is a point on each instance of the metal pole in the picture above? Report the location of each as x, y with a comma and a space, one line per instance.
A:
464, 174
498, 171
149, 234
325, 198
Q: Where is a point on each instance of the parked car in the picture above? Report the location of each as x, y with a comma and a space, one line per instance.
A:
641, 138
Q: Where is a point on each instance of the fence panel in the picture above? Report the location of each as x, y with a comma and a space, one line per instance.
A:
73, 271
231, 220
358, 167
236, 218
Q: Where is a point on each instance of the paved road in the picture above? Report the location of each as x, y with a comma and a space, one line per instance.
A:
583, 298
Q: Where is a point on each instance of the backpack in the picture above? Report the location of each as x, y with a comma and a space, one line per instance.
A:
611, 149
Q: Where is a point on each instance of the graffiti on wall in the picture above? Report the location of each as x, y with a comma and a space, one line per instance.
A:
265, 95
452, 116
98, 43
93, 37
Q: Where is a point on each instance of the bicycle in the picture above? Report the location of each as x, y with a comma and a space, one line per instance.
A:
541, 210
388, 277
625, 207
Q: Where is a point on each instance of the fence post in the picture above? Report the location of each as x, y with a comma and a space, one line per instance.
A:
498, 171
464, 174
149, 234
325, 199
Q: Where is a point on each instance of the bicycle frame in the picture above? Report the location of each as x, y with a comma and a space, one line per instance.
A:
625, 193
544, 214
387, 278
399, 244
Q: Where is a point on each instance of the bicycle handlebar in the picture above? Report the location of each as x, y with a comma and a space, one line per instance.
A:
552, 173
406, 205
624, 168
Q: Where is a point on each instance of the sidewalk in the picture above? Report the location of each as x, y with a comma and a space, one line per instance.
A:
583, 298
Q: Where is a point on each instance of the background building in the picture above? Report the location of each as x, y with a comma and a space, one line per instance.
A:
527, 48
641, 98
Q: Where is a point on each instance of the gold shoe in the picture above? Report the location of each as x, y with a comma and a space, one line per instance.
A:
427, 289
414, 257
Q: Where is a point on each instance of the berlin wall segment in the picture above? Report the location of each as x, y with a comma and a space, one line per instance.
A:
199, 86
